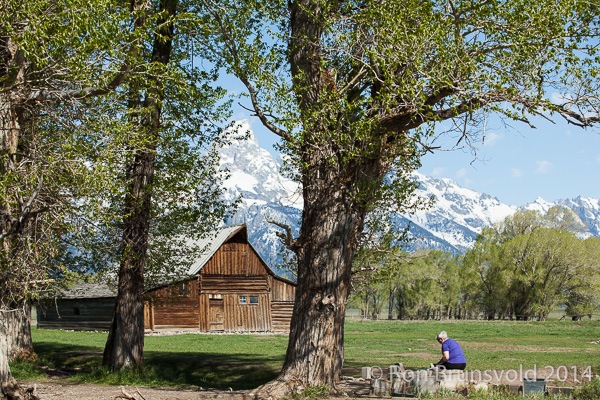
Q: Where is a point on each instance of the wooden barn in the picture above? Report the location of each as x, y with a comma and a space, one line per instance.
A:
229, 288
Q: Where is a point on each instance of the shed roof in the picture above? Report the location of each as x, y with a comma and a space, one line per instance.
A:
89, 290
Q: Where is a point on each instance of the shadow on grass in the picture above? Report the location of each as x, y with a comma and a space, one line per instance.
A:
180, 369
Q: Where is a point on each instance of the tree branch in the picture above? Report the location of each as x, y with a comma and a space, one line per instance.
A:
231, 47
287, 237
79, 94
575, 118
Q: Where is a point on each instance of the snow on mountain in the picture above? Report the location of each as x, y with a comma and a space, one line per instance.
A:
451, 224
256, 179
254, 174
587, 208
458, 214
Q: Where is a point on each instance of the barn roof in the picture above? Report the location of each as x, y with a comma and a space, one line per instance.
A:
215, 240
211, 243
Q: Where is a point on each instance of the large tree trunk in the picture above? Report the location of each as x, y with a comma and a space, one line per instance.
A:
10, 388
337, 190
11, 321
332, 223
125, 344
11, 73
314, 355
19, 334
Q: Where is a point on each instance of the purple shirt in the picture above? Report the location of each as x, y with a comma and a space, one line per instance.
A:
456, 354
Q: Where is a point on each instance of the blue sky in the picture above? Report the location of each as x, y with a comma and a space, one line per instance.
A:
515, 165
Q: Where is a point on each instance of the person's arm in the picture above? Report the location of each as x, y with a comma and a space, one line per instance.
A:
445, 357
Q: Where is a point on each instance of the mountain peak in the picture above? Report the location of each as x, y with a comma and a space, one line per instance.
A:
451, 224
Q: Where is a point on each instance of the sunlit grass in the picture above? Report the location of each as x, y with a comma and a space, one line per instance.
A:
241, 361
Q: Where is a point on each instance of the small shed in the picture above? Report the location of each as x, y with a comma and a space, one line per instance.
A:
87, 306
229, 288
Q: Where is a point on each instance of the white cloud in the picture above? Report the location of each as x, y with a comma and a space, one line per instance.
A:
461, 173
558, 98
491, 139
543, 167
516, 172
438, 172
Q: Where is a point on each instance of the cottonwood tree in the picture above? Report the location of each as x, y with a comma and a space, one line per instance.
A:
51, 59
546, 265
530, 262
564, 219
354, 89
583, 297
483, 260
170, 181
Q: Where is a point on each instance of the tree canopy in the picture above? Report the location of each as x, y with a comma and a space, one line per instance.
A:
356, 88
506, 275
79, 82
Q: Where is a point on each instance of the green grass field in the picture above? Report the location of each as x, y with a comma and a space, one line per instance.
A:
246, 361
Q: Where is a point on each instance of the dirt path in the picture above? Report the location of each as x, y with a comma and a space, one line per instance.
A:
62, 390
80, 391
351, 388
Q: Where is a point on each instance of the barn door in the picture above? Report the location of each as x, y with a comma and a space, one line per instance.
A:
216, 315
148, 315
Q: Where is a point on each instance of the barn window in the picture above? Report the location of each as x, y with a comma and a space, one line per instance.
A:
243, 300
76, 311
253, 299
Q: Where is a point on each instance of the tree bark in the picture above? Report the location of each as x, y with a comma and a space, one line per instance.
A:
10, 388
125, 343
337, 191
19, 334
332, 223
314, 356
11, 321
11, 73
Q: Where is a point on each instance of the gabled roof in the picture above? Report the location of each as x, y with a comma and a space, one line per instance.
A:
209, 246
90, 290
211, 243
215, 240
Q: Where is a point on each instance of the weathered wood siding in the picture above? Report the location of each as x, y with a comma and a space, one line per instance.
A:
237, 316
234, 292
281, 316
281, 290
76, 314
247, 317
232, 284
235, 258
173, 306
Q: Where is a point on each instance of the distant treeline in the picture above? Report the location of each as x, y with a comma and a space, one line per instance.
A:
522, 268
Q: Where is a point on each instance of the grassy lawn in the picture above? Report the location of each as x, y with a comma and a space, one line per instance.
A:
246, 361
487, 344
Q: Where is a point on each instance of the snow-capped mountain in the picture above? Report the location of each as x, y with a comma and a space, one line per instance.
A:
451, 224
456, 217
587, 208
255, 179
